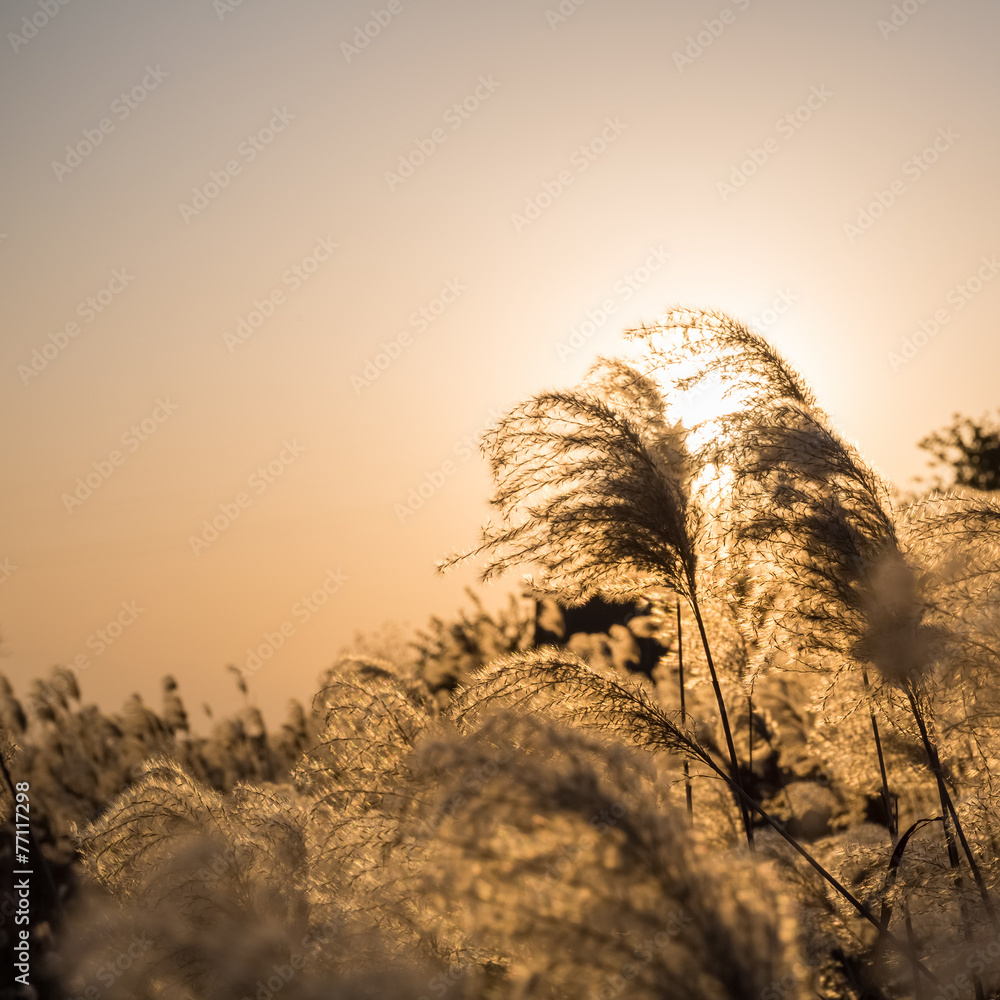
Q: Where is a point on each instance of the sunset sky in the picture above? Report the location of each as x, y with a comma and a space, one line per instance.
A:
276, 266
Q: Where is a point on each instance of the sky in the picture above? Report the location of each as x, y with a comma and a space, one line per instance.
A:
269, 270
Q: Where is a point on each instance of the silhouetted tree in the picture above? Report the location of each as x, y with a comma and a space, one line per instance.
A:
971, 448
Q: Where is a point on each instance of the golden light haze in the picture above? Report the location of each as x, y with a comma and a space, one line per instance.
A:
332, 242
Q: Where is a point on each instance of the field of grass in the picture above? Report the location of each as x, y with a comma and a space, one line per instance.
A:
798, 802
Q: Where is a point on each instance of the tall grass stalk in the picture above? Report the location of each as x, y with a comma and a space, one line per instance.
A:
595, 487
822, 519
835, 883
680, 683
950, 814
887, 800
737, 781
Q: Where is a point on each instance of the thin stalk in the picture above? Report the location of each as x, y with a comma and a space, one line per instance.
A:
680, 682
888, 885
837, 885
724, 717
948, 808
890, 812
947, 805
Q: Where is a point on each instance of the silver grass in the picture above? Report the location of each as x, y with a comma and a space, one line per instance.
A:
570, 690
564, 686
689, 347
594, 486
809, 525
812, 526
197, 866
259, 832
227, 889
593, 493
570, 864
371, 720
957, 539
806, 522
815, 526
525, 837
799, 515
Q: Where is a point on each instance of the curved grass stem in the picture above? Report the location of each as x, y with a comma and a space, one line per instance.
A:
948, 805
680, 683
724, 718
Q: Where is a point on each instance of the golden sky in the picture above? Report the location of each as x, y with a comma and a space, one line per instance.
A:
269, 269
